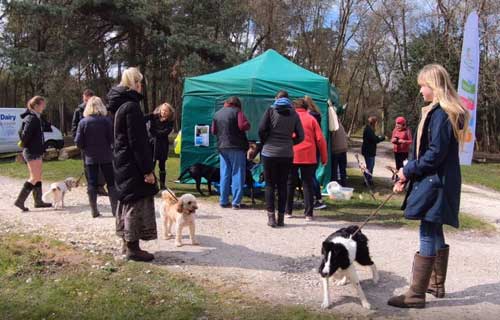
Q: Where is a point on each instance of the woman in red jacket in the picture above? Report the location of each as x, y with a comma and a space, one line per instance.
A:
305, 159
401, 139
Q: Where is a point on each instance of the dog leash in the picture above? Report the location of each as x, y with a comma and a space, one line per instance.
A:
381, 205
373, 213
172, 194
80, 178
363, 171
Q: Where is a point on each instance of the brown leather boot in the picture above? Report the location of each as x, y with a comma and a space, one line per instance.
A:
438, 276
135, 253
415, 296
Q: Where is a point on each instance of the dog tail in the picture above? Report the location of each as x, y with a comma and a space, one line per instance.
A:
183, 173
46, 196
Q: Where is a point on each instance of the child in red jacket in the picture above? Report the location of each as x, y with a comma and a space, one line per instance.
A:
401, 139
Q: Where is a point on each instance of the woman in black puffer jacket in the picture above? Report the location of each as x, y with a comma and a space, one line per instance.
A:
160, 125
31, 136
133, 167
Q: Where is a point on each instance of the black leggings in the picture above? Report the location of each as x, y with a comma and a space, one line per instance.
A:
161, 164
276, 172
307, 177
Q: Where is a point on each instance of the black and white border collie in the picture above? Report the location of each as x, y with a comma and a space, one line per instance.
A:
339, 251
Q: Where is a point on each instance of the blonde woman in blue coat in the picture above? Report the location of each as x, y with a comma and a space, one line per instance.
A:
434, 183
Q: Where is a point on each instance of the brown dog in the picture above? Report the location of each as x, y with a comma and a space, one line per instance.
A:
179, 213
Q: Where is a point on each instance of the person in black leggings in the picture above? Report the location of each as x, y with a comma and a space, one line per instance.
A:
279, 130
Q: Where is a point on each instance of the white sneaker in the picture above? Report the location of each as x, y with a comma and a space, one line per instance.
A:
319, 205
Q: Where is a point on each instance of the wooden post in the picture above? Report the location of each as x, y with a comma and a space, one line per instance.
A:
61, 116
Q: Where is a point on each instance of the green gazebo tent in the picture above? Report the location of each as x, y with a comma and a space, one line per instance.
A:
255, 82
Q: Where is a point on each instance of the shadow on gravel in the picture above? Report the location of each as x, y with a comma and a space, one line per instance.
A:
226, 255
484, 293
378, 294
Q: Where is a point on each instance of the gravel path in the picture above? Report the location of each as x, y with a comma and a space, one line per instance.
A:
279, 265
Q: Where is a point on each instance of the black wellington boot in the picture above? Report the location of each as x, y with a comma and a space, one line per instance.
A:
37, 195
23, 195
113, 200
93, 203
135, 253
281, 220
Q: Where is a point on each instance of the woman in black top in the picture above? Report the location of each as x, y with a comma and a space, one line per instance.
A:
369, 147
31, 136
160, 124
279, 130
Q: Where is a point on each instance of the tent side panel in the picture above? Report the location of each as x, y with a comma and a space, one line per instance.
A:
324, 173
196, 111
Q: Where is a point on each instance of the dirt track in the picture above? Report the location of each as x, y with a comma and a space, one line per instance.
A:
239, 250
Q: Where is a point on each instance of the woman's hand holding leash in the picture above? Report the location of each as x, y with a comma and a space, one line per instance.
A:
399, 186
149, 178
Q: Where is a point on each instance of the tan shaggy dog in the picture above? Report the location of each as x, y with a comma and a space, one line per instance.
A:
179, 213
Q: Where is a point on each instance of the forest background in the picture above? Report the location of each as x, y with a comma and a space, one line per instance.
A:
371, 50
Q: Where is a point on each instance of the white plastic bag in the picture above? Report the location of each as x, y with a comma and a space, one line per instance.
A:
333, 120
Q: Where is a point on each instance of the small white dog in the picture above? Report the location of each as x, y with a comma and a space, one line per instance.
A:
58, 190
179, 212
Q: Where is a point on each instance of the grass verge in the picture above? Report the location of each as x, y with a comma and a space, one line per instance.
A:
485, 174
355, 210
44, 279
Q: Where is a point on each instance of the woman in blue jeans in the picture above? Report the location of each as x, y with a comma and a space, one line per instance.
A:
230, 125
94, 136
434, 181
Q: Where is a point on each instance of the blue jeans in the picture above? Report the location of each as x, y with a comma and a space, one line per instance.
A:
431, 238
370, 164
232, 175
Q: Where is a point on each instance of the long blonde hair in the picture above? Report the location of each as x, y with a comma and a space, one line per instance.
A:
167, 105
310, 103
437, 78
94, 107
131, 77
